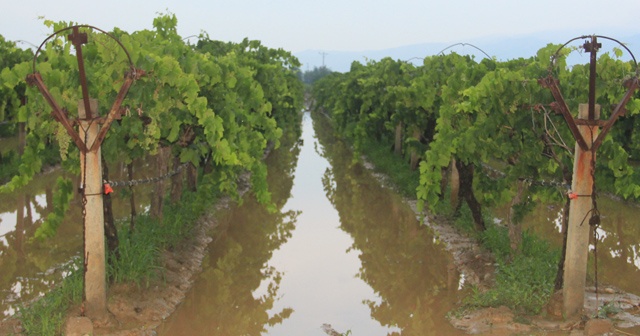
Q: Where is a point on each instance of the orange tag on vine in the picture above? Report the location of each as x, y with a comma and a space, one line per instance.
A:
572, 195
107, 189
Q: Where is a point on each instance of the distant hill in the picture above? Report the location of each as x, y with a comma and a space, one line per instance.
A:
501, 48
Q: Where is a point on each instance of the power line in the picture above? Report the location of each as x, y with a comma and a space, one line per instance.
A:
323, 56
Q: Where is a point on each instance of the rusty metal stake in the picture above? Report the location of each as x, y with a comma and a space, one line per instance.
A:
78, 39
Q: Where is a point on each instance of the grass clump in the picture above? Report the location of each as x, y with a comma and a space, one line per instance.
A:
524, 280
139, 250
138, 253
138, 261
46, 316
394, 166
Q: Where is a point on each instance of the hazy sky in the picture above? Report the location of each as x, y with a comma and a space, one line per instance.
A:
355, 25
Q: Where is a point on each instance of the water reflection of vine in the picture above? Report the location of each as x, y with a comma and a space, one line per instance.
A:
412, 275
31, 267
237, 289
618, 247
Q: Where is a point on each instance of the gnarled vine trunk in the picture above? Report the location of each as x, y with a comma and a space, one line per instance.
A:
157, 198
132, 198
465, 171
110, 230
176, 181
397, 148
515, 229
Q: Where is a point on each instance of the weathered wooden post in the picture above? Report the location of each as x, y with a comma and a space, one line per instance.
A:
576, 257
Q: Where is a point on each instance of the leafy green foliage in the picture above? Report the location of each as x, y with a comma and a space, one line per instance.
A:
393, 166
219, 106
490, 116
311, 76
215, 104
61, 199
10, 96
485, 112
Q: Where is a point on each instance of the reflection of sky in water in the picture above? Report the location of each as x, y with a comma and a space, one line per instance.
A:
323, 286
29, 278
9, 311
603, 235
16, 292
8, 219
7, 223
557, 222
20, 287
462, 281
17, 287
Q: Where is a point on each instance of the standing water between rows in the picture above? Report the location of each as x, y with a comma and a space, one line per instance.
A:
30, 267
341, 254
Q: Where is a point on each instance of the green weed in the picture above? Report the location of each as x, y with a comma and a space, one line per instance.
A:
138, 262
496, 240
139, 250
396, 167
463, 220
524, 281
46, 316
609, 308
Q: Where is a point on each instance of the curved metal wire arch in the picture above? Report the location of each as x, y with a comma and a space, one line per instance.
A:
556, 55
55, 34
464, 44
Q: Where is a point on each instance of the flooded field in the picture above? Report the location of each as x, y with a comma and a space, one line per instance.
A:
348, 256
337, 255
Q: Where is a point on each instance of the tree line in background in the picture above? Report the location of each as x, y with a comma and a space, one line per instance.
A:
311, 76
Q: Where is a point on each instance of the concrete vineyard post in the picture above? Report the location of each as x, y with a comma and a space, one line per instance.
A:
95, 287
575, 265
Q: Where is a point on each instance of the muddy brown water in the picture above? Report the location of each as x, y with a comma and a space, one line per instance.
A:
618, 244
348, 256
30, 267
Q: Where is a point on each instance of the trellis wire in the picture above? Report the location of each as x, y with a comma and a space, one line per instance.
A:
147, 180
545, 183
